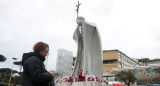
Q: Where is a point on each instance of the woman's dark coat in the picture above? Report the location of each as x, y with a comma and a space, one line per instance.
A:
34, 72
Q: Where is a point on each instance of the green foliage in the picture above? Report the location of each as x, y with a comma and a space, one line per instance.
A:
18, 63
4, 77
3, 84
7, 70
17, 80
3, 74
126, 76
2, 58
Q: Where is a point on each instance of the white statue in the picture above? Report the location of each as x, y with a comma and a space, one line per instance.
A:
89, 53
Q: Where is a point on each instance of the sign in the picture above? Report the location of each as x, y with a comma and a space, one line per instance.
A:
135, 71
149, 70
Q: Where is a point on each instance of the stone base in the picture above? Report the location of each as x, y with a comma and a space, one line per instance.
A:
90, 83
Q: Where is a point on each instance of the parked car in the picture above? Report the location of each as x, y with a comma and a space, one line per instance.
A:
116, 84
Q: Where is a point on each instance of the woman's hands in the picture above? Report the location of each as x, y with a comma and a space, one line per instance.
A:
52, 73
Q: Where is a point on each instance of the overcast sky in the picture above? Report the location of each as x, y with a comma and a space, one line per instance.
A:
131, 26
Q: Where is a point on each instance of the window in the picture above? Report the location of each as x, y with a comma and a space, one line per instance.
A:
108, 62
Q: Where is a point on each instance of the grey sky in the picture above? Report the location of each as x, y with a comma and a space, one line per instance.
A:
131, 26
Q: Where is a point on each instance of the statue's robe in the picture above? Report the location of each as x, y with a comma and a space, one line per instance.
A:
89, 53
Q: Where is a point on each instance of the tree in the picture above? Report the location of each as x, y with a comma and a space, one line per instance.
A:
17, 80
126, 76
8, 73
4, 76
2, 58
7, 70
18, 63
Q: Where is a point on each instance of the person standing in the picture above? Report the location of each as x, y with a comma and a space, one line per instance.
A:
34, 72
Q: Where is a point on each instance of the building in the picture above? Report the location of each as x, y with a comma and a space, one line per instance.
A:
143, 60
64, 62
148, 62
152, 62
115, 59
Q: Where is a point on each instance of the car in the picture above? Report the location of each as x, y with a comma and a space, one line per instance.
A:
116, 84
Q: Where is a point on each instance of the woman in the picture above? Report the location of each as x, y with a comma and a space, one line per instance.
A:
34, 72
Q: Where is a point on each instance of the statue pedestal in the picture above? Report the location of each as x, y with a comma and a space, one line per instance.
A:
90, 83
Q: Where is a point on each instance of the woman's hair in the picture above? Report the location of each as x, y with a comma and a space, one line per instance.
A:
39, 47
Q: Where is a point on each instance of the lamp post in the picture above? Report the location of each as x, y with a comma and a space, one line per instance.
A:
11, 71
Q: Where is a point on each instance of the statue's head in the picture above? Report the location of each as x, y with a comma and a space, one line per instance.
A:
79, 20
